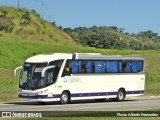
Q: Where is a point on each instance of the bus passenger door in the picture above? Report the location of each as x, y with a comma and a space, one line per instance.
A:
67, 79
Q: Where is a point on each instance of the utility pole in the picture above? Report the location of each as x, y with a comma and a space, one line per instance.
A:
18, 5
42, 8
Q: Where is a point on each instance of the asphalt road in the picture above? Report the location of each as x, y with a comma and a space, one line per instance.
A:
137, 103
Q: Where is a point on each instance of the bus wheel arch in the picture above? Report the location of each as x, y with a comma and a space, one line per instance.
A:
121, 94
65, 97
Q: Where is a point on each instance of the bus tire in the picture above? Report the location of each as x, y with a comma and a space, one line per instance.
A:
65, 98
120, 95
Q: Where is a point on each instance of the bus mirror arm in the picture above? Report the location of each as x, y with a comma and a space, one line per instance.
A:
15, 70
44, 70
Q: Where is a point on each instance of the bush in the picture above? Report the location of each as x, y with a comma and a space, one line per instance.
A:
24, 22
25, 19
26, 16
1, 34
6, 26
3, 13
35, 13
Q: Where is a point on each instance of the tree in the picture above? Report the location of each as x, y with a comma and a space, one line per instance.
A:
53, 23
60, 27
67, 30
121, 30
107, 37
148, 34
113, 28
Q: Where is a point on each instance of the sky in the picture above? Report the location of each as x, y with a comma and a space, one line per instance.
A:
132, 15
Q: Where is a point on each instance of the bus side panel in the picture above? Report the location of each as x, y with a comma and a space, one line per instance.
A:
103, 86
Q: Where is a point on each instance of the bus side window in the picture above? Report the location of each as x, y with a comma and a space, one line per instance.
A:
124, 69
67, 69
139, 65
100, 66
83, 67
103, 66
129, 66
89, 67
112, 66
120, 67
93, 68
75, 67
134, 66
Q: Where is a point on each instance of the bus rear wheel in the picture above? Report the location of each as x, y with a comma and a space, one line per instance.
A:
65, 98
120, 95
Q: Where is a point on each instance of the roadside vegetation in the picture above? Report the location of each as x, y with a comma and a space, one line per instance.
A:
111, 37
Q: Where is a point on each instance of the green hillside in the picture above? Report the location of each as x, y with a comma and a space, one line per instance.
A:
27, 26
23, 34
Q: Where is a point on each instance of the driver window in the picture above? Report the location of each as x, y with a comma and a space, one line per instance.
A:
50, 77
57, 64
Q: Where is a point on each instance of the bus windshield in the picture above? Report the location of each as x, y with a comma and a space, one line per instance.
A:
30, 78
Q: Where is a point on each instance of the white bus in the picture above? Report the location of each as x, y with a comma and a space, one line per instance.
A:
79, 76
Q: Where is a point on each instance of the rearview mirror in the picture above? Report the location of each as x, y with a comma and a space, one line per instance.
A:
20, 67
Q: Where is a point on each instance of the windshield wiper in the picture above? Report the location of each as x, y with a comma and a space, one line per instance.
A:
33, 87
29, 80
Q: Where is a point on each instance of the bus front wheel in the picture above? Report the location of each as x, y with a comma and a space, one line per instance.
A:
65, 98
120, 95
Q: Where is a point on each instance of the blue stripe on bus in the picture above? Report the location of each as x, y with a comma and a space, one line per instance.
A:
93, 94
81, 94
135, 92
73, 56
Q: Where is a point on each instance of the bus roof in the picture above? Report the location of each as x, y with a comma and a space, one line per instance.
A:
109, 57
48, 57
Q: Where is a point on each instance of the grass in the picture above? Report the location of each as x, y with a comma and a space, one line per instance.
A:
152, 84
14, 53
8, 90
5, 73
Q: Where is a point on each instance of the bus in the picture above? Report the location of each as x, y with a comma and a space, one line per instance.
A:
80, 76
